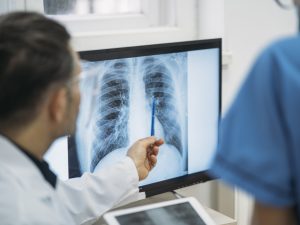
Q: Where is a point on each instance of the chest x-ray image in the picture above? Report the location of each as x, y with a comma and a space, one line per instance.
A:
135, 97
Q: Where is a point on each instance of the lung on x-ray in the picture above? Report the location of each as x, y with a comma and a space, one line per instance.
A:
120, 113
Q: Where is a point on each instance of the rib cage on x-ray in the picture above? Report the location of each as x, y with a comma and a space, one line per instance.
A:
159, 84
111, 124
112, 111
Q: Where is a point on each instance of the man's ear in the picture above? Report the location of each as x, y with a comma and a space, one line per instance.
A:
58, 105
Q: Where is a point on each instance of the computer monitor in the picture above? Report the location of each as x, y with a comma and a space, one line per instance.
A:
170, 90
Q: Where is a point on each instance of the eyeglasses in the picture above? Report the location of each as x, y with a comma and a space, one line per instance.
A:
286, 4
88, 81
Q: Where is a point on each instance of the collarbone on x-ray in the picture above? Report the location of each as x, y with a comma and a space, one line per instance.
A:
122, 112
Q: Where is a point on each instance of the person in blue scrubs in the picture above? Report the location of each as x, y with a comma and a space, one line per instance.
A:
259, 149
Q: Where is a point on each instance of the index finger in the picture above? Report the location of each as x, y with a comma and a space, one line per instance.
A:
159, 142
151, 141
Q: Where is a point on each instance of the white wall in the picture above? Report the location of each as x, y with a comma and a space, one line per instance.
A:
249, 26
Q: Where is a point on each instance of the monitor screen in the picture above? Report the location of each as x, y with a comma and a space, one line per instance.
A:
171, 91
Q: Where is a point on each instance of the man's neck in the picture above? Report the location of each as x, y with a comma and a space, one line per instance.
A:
31, 140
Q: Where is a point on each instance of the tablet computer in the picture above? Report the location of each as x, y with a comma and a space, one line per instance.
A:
185, 211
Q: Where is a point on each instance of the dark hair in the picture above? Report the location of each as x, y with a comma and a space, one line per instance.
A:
34, 54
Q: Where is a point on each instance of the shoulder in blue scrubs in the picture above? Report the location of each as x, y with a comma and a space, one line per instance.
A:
259, 149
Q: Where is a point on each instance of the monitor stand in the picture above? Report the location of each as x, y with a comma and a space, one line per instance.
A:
176, 194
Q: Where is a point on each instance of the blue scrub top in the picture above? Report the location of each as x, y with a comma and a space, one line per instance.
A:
259, 148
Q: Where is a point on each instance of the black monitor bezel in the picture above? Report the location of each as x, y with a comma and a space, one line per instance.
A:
136, 51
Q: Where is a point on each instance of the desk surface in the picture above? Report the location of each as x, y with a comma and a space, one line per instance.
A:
220, 219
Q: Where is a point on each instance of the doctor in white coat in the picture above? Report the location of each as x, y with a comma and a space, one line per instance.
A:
39, 101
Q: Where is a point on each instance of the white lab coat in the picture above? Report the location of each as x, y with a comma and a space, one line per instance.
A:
26, 198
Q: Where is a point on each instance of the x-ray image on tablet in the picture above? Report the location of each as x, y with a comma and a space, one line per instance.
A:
176, 212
